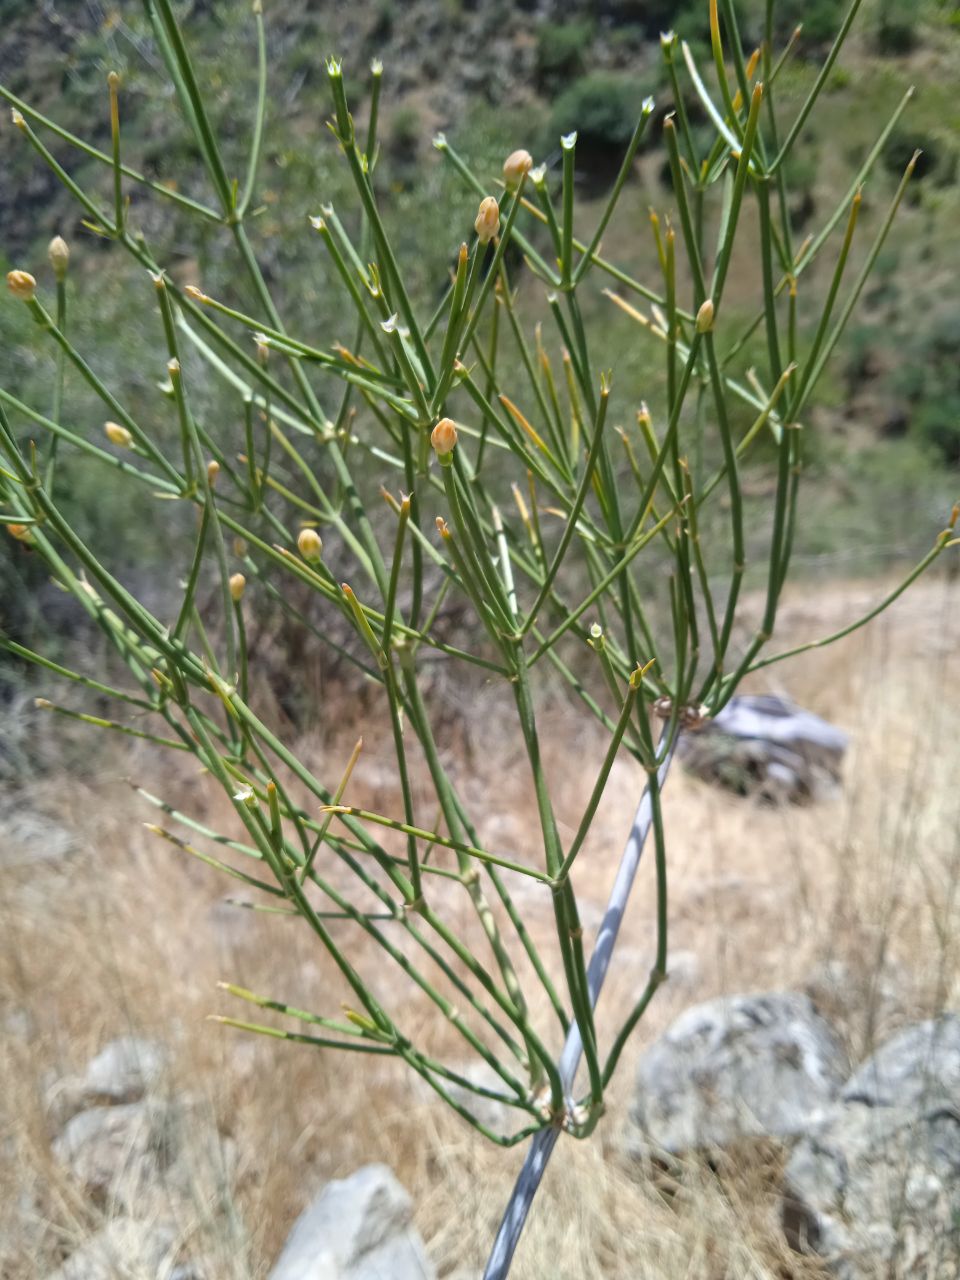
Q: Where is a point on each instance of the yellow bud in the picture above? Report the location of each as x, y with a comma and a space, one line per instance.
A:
515, 166
705, 317
118, 435
237, 584
22, 285
58, 253
197, 294
444, 436
21, 532
309, 544
239, 547
213, 470
488, 220
17, 118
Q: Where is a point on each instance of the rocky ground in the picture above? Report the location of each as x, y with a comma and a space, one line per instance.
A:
787, 1106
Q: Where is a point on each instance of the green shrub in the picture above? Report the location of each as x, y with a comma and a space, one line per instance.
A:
562, 50
937, 160
896, 31
404, 131
927, 377
819, 19
650, 16
602, 109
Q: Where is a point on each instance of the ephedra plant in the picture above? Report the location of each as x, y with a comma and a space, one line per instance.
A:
451, 456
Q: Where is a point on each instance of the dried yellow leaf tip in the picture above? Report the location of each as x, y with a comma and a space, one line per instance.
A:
21, 532
705, 317
310, 544
17, 118
237, 586
118, 435
22, 285
488, 220
515, 167
194, 292
443, 437
58, 255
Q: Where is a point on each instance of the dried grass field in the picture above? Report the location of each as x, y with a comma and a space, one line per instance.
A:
855, 900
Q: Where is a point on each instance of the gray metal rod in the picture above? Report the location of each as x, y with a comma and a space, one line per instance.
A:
541, 1147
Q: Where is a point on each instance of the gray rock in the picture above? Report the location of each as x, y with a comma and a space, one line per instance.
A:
766, 746
683, 969
736, 1067
359, 1228
124, 1070
122, 1250
195, 1270
28, 837
916, 1068
149, 1157
875, 1191
18, 1024
113, 1152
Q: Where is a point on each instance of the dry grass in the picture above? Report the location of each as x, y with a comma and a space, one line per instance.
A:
855, 900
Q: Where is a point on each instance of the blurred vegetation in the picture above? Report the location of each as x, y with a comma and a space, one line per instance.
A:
493, 76
602, 109
563, 53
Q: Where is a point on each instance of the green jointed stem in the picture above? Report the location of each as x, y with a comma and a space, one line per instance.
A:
597, 794
323, 1042
259, 112
113, 82
365, 191
567, 146
586, 481
818, 86
101, 723
181, 69
116, 408
721, 70
31, 113
445, 841
563, 899
38, 659
625, 168
57, 406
